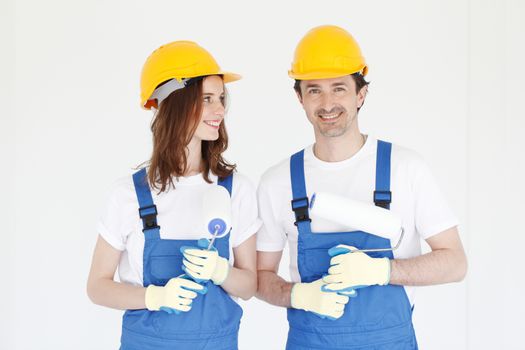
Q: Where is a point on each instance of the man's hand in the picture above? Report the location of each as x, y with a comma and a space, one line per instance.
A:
311, 297
350, 270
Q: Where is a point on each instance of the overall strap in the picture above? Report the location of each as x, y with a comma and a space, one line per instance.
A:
300, 200
147, 209
226, 182
382, 194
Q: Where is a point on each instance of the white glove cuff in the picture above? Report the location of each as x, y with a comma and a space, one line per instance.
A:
222, 270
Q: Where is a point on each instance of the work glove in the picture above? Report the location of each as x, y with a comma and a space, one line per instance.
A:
350, 270
202, 264
310, 297
175, 297
350, 292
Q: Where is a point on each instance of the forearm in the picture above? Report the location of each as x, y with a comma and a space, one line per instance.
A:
240, 283
273, 289
116, 295
437, 267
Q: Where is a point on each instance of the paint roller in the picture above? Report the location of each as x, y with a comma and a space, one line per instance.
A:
356, 215
217, 212
216, 217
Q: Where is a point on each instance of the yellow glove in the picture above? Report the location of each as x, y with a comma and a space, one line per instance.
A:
203, 265
351, 270
310, 297
176, 296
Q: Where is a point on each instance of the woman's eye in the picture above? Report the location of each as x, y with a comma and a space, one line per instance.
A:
207, 99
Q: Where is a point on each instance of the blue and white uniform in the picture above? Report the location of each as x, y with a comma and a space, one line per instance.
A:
380, 316
155, 257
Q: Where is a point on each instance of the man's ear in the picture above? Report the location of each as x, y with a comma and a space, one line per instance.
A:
299, 96
361, 96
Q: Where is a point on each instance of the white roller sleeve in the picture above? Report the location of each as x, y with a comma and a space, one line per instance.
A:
216, 210
355, 215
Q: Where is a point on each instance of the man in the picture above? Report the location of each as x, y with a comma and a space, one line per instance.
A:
339, 299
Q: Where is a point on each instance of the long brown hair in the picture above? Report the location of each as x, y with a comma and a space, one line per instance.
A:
173, 127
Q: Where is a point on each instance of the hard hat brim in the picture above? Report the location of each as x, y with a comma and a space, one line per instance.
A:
227, 77
325, 74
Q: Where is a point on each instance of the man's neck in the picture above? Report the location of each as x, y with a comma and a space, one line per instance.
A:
336, 149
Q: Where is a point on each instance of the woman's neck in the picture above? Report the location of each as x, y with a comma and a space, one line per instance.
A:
194, 157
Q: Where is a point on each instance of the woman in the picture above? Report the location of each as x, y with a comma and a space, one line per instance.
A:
151, 226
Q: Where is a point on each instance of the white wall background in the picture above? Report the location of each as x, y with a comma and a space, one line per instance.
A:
447, 80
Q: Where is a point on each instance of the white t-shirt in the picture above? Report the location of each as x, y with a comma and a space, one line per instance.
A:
416, 199
179, 217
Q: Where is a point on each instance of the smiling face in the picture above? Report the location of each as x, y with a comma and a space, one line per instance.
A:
331, 105
212, 109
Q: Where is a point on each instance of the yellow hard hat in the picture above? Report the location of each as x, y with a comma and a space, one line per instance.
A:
177, 60
327, 52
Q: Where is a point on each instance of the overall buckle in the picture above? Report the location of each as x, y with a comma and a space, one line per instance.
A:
149, 217
382, 198
300, 208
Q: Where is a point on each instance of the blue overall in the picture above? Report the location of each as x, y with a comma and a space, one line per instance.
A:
380, 317
213, 321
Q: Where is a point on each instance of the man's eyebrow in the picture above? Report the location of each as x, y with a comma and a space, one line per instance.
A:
312, 85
